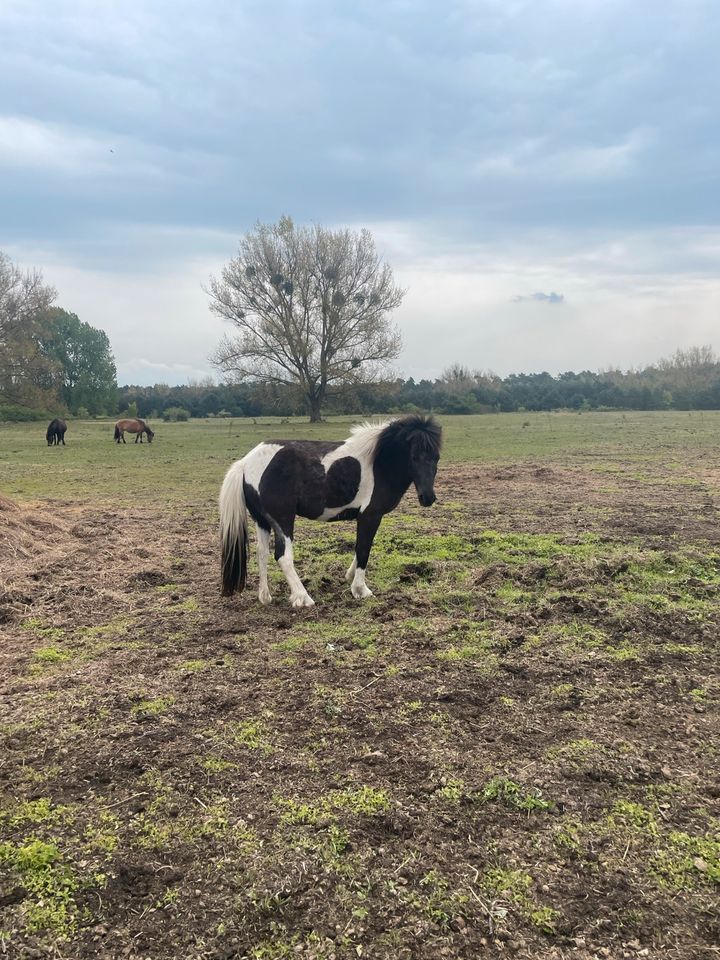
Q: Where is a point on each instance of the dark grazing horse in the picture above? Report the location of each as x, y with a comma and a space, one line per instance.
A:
136, 426
361, 478
56, 432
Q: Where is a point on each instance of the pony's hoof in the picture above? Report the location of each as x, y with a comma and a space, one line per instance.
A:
265, 597
303, 600
361, 593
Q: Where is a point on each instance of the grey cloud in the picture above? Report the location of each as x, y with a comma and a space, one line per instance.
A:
541, 297
496, 124
495, 114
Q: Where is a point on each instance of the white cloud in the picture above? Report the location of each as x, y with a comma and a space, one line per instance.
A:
158, 322
626, 304
139, 370
29, 143
538, 159
629, 297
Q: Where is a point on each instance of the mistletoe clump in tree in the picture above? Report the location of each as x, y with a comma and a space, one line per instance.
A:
310, 308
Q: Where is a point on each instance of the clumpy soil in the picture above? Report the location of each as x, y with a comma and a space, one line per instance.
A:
512, 750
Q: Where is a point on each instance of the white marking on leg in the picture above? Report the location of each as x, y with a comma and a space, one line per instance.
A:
351, 570
359, 588
299, 597
263, 552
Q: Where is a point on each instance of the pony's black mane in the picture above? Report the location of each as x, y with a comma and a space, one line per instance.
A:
424, 433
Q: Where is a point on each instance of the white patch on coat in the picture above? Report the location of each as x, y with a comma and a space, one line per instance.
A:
364, 437
361, 445
255, 463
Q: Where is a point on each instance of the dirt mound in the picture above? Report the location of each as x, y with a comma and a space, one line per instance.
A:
29, 539
52, 551
27, 531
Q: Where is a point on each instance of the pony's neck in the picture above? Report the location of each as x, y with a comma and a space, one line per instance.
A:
392, 465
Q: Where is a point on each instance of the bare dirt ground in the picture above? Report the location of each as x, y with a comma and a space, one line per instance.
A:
511, 751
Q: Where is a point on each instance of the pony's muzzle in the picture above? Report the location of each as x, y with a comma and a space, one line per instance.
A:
426, 499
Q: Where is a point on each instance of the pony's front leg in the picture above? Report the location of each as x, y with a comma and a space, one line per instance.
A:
367, 527
263, 552
299, 597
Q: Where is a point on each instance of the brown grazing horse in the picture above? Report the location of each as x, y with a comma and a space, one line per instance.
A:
137, 426
56, 432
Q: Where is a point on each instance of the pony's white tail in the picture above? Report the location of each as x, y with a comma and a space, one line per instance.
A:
233, 531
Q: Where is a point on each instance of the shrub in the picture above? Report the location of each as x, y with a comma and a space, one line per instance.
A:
176, 413
17, 414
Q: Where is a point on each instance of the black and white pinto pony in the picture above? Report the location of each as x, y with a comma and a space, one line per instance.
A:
361, 478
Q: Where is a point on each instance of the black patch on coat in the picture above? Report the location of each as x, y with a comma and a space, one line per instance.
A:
311, 448
295, 482
252, 501
343, 481
352, 513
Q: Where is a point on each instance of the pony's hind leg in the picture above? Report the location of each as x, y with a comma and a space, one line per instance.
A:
299, 597
263, 552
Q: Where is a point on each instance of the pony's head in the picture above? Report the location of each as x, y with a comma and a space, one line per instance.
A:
150, 434
425, 444
420, 439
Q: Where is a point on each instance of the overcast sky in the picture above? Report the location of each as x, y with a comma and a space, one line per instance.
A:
501, 151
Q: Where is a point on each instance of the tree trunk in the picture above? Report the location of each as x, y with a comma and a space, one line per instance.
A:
315, 411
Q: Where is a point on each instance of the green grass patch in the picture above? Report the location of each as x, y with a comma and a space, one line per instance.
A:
51, 655
152, 708
252, 734
194, 666
51, 885
515, 887
362, 801
503, 790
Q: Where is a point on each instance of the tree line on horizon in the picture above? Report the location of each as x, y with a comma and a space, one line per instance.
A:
689, 380
310, 315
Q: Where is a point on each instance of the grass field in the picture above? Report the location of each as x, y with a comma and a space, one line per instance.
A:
187, 460
511, 750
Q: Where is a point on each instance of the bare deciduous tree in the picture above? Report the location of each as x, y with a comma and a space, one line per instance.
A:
458, 378
310, 307
25, 371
